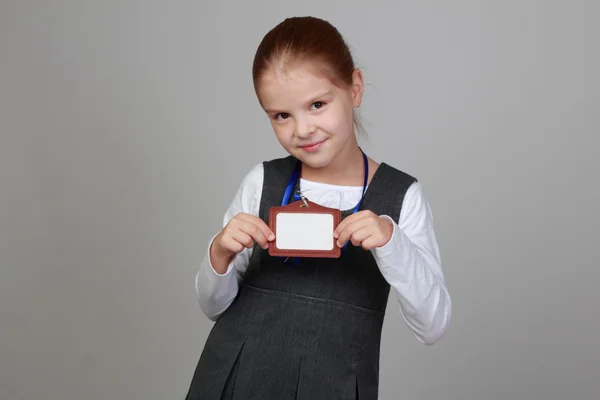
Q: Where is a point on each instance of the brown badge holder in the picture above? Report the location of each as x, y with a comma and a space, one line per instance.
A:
303, 229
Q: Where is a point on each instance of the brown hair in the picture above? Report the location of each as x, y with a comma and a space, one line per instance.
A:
299, 39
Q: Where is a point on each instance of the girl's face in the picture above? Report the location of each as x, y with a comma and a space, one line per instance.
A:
312, 118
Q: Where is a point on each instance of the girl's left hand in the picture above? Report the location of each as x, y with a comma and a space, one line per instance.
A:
365, 229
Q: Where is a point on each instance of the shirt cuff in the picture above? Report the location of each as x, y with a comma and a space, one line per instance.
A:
210, 283
387, 248
393, 258
210, 266
215, 291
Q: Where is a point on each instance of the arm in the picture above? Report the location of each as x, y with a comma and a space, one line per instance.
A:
410, 262
216, 287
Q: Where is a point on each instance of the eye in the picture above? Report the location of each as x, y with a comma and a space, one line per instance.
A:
318, 104
281, 116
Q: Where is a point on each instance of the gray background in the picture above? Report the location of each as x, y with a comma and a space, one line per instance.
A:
126, 128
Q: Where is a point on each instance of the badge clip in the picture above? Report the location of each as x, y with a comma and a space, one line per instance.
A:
299, 193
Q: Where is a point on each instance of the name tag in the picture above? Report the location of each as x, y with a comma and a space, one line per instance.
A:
304, 230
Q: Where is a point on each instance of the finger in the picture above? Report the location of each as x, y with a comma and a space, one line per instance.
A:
371, 242
349, 230
342, 225
267, 232
350, 220
235, 244
255, 233
359, 236
242, 238
347, 221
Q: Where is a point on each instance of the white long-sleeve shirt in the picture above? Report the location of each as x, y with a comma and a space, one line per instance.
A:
410, 261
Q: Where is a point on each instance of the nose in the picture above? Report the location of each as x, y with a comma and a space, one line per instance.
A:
304, 127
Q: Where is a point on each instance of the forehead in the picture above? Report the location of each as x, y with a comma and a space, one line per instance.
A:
294, 85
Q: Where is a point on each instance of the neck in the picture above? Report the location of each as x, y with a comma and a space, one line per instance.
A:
346, 169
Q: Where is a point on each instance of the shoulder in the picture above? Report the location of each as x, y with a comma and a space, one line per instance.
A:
393, 182
253, 180
248, 194
415, 196
278, 170
405, 182
396, 174
408, 189
255, 177
279, 164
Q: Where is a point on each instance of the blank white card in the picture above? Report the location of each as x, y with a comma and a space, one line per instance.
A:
304, 231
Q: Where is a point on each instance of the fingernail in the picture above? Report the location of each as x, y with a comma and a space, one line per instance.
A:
339, 244
266, 246
335, 235
271, 236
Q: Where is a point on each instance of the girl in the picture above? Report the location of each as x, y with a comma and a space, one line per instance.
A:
312, 330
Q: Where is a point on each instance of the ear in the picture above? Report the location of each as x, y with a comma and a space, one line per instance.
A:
357, 88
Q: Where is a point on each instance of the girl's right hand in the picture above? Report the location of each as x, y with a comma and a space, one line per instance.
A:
241, 232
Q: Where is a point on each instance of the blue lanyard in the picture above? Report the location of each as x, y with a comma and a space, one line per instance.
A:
296, 174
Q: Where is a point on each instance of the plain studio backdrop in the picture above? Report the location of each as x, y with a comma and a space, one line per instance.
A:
127, 126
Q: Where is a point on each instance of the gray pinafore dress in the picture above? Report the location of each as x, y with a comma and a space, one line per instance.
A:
301, 331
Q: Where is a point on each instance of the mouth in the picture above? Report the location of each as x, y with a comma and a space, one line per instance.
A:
312, 147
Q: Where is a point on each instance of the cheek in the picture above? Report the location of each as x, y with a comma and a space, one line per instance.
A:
284, 132
338, 122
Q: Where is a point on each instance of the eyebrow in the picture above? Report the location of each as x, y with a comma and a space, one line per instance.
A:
312, 100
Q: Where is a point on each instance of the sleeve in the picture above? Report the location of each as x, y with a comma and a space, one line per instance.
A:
410, 262
216, 291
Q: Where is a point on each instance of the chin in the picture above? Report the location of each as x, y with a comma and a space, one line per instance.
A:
315, 160
316, 164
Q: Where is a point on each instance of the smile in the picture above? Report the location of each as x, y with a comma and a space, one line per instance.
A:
312, 147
